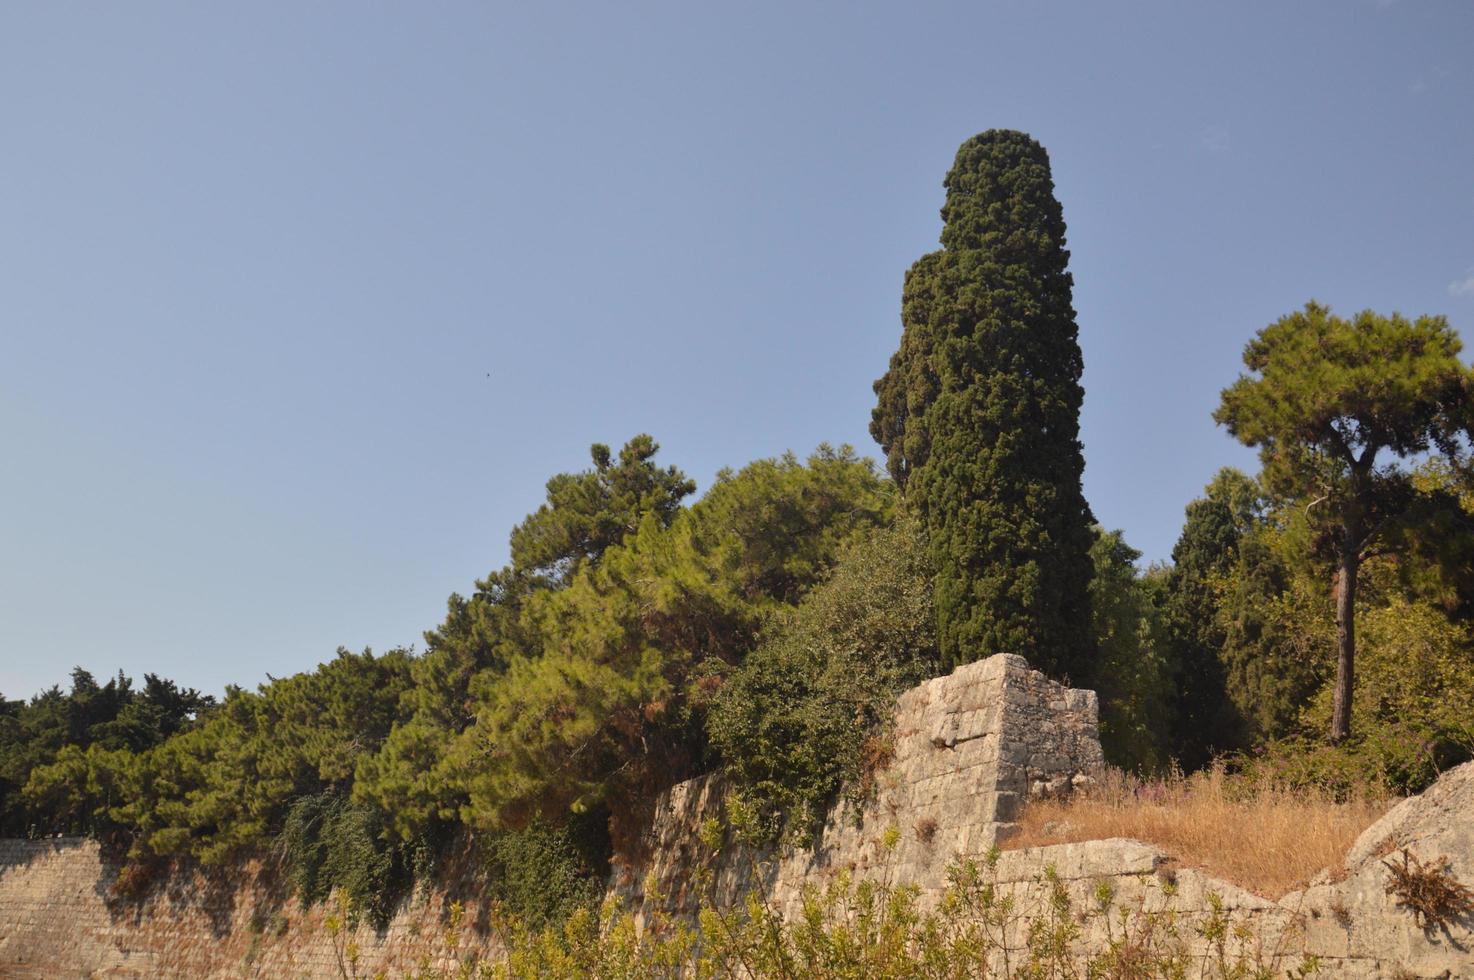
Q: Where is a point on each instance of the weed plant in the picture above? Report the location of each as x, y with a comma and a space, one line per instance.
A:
859, 928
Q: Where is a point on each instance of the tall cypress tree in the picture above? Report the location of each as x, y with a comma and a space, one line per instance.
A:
979, 414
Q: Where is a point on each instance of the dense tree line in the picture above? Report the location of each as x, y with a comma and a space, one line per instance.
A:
57, 727
638, 636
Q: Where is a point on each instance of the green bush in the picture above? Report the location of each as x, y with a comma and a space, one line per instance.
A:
1130, 672
808, 709
859, 928
1412, 716
330, 842
543, 874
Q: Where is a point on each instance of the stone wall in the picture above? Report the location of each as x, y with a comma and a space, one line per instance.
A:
1346, 919
969, 749
60, 917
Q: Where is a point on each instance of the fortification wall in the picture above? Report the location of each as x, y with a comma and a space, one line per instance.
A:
970, 748
60, 917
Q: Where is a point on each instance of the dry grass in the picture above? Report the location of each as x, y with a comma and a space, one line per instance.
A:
1267, 840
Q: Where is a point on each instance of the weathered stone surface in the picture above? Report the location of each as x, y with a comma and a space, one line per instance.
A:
970, 748
58, 919
1356, 918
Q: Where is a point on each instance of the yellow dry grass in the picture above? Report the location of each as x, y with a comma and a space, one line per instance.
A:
1265, 839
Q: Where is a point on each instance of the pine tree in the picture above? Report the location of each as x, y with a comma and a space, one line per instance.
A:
1323, 399
978, 414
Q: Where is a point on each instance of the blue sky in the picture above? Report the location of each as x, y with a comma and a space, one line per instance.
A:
257, 261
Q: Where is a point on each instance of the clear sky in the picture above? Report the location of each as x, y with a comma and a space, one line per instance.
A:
258, 260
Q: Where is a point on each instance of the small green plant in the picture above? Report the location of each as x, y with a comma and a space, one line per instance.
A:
710, 833
890, 837
1435, 897
341, 923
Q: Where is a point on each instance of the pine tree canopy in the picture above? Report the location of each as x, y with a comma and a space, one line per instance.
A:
978, 414
1325, 397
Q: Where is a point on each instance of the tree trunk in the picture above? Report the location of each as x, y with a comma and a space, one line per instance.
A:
1345, 637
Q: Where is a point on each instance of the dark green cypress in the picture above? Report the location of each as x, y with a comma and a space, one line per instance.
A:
979, 414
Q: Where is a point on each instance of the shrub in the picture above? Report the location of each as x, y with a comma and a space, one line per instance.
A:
1413, 712
861, 928
543, 874
806, 712
330, 842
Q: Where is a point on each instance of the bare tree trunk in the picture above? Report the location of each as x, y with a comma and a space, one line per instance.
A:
1345, 638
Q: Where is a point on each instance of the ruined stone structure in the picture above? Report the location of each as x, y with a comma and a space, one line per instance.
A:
969, 750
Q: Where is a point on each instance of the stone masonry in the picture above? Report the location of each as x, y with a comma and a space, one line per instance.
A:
60, 918
969, 749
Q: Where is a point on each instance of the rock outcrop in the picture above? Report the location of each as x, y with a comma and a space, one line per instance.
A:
1352, 920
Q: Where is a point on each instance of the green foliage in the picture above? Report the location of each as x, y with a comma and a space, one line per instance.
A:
1437, 538
854, 927
609, 708
809, 710
1275, 622
1411, 711
1251, 635
410, 778
77, 791
543, 874
328, 842
1205, 719
419, 776
86, 733
810, 707
580, 673
1414, 709
1329, 391
1324, 398
1134, 685
586, 513
224, 785
1259, 608
978, 415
